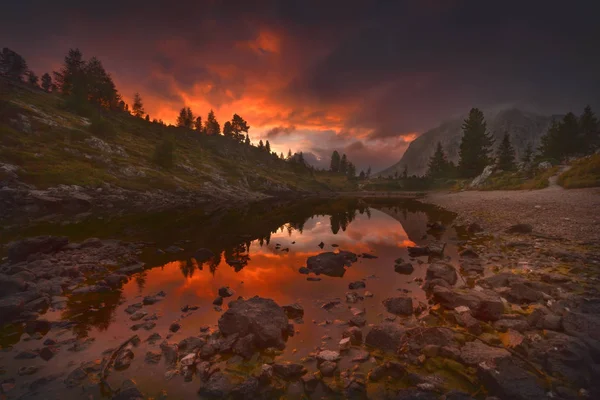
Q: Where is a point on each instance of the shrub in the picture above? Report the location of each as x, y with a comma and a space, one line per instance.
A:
583, 173
163, 154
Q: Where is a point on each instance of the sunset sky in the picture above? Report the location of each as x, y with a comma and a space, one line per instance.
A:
363, 77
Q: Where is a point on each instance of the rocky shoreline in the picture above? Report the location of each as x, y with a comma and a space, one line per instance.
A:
517, 316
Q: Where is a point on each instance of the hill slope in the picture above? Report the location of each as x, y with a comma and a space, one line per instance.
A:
45, 149
524, 128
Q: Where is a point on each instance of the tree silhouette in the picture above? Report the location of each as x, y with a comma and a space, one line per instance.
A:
268, 147
185, 118
438, 163
344, 164
137, 108
228, 130
198, 124
239, 126
475, 145
334, 166
46, 82
32, 78
590, 131
505, 156
12, 64
212, 126
527, 154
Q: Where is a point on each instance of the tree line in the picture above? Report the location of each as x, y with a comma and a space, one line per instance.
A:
569, 137
342, 165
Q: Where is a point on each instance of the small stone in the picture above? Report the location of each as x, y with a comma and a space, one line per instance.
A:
357, 285
226, 292
218, 301
153, 357
175, 326
188, 360
345, 344
328, 355
328, 368
48, 352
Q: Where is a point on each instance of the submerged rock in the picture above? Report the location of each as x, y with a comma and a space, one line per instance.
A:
399, 305
226, 292
357, 285
385, 336
294, 311
404, 268
331, 264
259, 316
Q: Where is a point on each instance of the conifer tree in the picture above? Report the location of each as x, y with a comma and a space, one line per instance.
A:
69, 79
475, 145
12, 64
289, 156
505, 156
212, 126
334, 166
590, 131
527, 154
32, 78
261, 145
344, 164
247, 141
405, 172
46, 82
438, 163
228, 130
147, 117
198, 124
138, 107
268, 147
368, 172
239, 126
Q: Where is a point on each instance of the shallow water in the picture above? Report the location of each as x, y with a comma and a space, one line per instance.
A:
257, 240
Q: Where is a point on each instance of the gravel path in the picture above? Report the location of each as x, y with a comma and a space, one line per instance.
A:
572, 214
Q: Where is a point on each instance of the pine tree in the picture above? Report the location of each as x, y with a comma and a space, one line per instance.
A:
475, 145
281, 155
138, 107
268, 147
32, 78
46, 82
335, 161
438, 163
185, 118
12, 64
351, 170
405, 172
247, 141
147, 117
527, 155
590, 131
198, 124
361, 176
561, 141
228, 130
239, 126
261, 145
289, 156
212, 126
344, 164
505, 156
69, 79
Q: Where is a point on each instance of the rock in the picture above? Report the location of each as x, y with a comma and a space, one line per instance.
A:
226, 292
327, 368
248, 389
218, 386
404, 268
313, 279
480, 180
520, 228
358, 320
390, 368
115, 280
361, 356
331, 264
304, 270
416, 251
484, 305
471, 324
399, 305
149, 325
328, 355
169, 351
442, 271
353, 297
244, 346
468, 253
385, 336
355, 335
153, 338
123, 359
188, 360
138, 315
288, 370
345, 344
10, 285
544, 165
436, 248
191, 343
473, 228
294, 311
471, 265
173, 249
149, 300
295, 391
581, 324
475, 352
26, 355
28, 370
218, 301
259, 316
368, 256
21, 250
46, 353
321, 245
522, 294
153, 357
133, 308
505, 379
415, 394
357, 285
504, 325
174, 327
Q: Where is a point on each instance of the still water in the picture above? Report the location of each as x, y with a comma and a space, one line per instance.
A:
259, 252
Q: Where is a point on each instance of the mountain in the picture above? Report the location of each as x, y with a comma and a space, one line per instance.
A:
524, 127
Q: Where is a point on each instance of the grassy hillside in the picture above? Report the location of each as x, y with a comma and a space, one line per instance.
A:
584, 172
51, 145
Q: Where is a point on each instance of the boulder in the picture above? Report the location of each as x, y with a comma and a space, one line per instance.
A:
385, 336
10, 307
522, 294
442, 271
19, 251
505, 379
404, 268
288, 370
218, 386
355, 335
485, 305
225, 292
331, 264
357, 285
480, 180
475, 352
11, 285
259, 316
328, 368
417, 251
328, 355
399, 305
244, 346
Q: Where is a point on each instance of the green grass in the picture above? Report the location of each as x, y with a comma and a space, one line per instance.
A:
583, 173
519, 180
56, 151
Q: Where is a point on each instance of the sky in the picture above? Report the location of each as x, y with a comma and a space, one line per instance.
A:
362, 77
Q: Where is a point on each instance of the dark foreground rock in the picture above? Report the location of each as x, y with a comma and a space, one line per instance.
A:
507, 380
385, 336
21, 250
258, 316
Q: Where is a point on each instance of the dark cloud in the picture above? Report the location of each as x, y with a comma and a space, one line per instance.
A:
280, 130
343, 73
